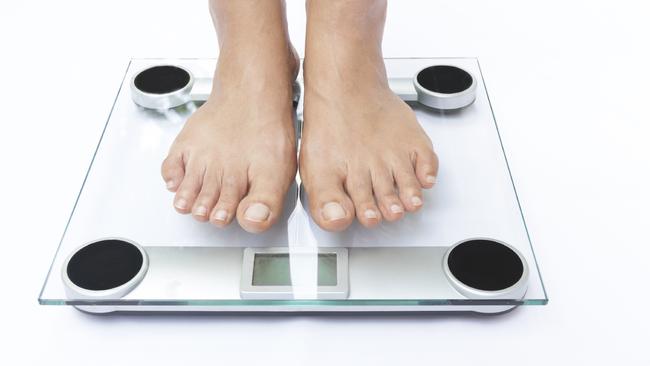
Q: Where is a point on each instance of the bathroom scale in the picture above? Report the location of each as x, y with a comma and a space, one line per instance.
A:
125, 248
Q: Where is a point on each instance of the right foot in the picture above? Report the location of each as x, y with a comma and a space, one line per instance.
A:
236, 155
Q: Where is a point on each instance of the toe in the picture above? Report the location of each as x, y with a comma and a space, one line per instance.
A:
408, 186
209, 194
330, 206
233, 188
262, 206
383, 186
359, 188
426, 167
189, 187
173, 171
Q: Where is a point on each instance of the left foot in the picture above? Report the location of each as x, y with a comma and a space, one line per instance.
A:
363, 152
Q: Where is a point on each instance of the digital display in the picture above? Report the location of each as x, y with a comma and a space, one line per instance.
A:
274, 269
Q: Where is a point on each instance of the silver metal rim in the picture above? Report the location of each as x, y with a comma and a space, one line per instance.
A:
162, 101
74, 291
445, 101
515, 292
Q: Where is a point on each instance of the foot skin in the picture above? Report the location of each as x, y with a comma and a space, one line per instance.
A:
363, 152
234, 158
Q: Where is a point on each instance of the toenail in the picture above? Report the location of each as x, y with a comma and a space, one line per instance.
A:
396, 208
170, 184
181, 204
333, 211
257, 212
416, 201
201, 211
370, 214
431, 179
221, 215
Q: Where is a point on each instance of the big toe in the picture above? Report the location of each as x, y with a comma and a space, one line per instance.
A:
331, 208
262, 205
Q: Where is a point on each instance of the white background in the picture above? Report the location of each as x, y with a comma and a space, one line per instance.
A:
569, 85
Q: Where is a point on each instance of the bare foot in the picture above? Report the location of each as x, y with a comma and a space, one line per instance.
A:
236, 154
363, 152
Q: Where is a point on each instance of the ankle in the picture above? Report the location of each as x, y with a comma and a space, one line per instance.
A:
342, 70
256, 65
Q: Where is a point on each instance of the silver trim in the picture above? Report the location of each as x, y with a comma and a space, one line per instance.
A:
404, 88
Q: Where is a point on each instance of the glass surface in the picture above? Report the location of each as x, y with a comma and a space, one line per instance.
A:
274, 269
193, 263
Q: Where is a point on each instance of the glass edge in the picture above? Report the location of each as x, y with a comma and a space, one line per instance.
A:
294, 303
56, 253
512, 182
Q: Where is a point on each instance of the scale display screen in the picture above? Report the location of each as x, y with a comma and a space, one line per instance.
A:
283, 273
274, 269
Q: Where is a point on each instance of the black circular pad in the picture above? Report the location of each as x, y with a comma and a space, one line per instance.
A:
162, 79
485, 265
105, 264
444, 79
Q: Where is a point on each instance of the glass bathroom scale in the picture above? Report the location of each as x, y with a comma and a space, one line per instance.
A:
126, 249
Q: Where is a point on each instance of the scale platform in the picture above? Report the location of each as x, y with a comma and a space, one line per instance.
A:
126, 249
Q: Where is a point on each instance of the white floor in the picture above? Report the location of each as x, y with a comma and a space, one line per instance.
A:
569, 86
